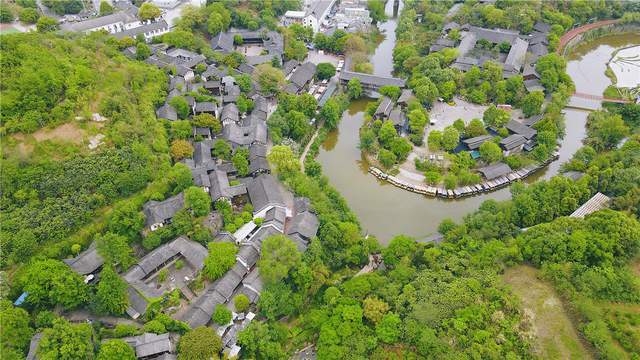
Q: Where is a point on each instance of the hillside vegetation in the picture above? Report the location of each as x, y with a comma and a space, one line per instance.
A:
52, 183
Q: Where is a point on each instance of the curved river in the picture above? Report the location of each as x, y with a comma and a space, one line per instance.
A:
385, 210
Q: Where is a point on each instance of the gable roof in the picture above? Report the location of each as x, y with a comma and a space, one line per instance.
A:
89, 24
495, 170
599, 201
230, 112
385, 106
167, 111
160, 211
306, 224
475, 142
87, 261
142, 29
519, 128
372, 80
149, 344
264, 191
513, 141
303, 74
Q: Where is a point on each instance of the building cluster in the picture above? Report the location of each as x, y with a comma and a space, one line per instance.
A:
524, 49
124, 22
386, 110
314, 15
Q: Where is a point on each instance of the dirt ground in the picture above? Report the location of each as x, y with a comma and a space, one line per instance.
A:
67, 132
555, 335
315, 57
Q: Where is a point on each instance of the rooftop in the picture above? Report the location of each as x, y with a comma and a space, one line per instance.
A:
599, 201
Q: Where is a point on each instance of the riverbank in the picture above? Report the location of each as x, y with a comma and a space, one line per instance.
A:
463, 191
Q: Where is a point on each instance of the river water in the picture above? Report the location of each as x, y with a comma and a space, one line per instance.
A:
385, 210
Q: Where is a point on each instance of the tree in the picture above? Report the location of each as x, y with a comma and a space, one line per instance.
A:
325, 71
241, 302
490, 152
51, 282
29, 15
279, 255
181, 129
295, 49
240, 161
376, 10
532, 103
111, 293
401, 147
105, 8
221, 315
354, 88
221, 149
46, 24
222, 257
495, 117
15, 332
262, 340
181, 105
6, 16
66, 341
387, 133
330, 114
391, 91
196, 199
283, 159
399, 247
389, 329
207, 120
426, 92
148, 11
374, 309
270, 79
387, 158
450, 138
244, 82
605, 130
181, 149
307, 104
143, 51
115, 349
155, 326
115, 250
475, 128
435, 140
367, 139
198, 344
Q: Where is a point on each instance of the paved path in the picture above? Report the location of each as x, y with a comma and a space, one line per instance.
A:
579, 30
306, 148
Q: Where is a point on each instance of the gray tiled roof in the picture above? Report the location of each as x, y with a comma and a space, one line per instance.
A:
33, 346
167, 111
223, 41
512, 141
249, 255
288, 66
517, 127
191, 251
495, 170
230, 112
145, 28
120, 16
599, 201
306, 224
208, 107
150, 344
385, 106
87, 261
160, 211
264, 191
397, 117
517, 54
303, 74
372, 80
475, 142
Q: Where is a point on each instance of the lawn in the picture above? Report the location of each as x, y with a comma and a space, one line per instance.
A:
555, 334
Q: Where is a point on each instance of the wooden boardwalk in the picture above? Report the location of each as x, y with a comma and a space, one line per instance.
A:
568, 36
463, 191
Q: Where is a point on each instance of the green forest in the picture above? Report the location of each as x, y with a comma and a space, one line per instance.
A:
428, 301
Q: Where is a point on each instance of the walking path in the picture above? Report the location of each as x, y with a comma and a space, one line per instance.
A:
579, 30
306, 148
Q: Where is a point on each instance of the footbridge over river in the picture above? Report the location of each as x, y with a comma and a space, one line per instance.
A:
590, 102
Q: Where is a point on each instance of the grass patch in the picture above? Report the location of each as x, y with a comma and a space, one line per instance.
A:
555, 335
